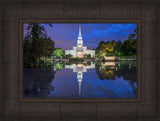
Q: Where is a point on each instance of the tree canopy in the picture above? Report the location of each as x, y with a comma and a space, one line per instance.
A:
36, 44
59, 53
126, 48
118, 48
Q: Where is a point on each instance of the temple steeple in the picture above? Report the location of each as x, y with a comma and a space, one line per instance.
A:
80, 77
79, 50
80, 41
80, 35
80, 69
79, 83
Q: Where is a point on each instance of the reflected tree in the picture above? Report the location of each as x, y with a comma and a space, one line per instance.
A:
59, 66
122, 71
105, 73
37, 82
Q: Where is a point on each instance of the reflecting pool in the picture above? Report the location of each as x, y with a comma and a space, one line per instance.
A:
81, 80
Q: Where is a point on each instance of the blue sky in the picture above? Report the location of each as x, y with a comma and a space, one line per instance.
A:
65, 35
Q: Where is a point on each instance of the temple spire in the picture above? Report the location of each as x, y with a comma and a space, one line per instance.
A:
80, 41
79, 83
80, 35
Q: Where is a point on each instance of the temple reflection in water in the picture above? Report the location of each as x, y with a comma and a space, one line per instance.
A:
80, 69
108, 70
100, 80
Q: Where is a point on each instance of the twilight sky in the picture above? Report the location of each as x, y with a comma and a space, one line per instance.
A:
65, 35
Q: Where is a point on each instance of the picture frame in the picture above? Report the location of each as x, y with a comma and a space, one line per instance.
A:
14, 13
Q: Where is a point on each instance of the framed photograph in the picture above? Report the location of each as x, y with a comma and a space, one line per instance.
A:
79, 61
82, 60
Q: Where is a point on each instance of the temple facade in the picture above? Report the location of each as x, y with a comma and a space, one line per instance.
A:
80, 50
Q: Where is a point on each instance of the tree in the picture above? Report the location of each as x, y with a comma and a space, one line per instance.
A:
40, 45
113, 42
37, 30
129, 47
118, 44
108, 47
85, 55
68, 56
37, 33
89, 56
100, 46
46, 47
133, 35
27, 50
49, 46
59, 53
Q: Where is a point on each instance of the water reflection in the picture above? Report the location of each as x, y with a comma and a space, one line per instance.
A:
126, 70
37, 81
80, 69
64, 80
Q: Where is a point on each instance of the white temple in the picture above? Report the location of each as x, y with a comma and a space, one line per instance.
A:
79, 50
80, 69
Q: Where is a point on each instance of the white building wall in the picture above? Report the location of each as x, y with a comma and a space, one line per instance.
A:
92, 52
85, 51
72, 52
